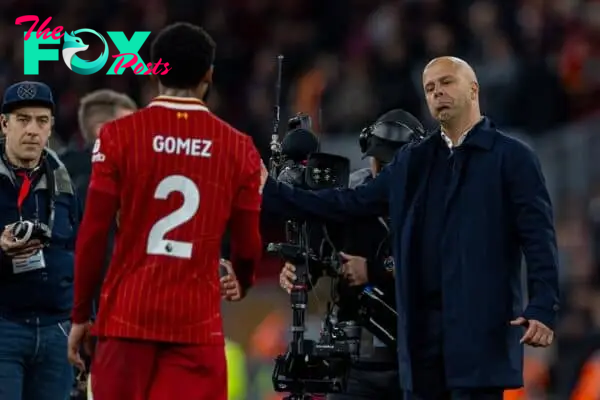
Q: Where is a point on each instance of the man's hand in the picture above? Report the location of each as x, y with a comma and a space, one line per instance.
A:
287, 277
231, 290
16, 249
264, 174
537, 334
354, 269
78, 337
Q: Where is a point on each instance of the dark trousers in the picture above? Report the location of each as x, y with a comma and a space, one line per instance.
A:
33, 361
366, 384
429, 376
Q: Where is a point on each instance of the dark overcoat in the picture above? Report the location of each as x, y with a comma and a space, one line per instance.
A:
497, 209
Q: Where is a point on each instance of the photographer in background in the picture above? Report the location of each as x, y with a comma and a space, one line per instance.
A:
367, 260
40, 215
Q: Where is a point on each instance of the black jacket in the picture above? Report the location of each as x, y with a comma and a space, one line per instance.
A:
368, 238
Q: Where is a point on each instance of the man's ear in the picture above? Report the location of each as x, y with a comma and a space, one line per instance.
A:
4, 122
208, 77
474, 90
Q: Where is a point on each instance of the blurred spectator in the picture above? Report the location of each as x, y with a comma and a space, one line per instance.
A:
95, 109
580, 61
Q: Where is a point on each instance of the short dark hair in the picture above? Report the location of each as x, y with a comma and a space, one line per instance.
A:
101, 106
190, 52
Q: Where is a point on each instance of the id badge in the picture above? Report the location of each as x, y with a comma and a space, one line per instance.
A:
32, 263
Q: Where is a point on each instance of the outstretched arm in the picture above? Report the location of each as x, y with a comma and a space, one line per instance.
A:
332, 204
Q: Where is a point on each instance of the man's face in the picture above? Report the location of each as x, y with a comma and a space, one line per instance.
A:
27, 131
119, 113
375, 165
447, 91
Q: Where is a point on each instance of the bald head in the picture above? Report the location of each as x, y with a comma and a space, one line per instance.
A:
451, 90
458, 64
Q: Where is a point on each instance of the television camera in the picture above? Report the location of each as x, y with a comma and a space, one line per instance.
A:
317, 366
311, 366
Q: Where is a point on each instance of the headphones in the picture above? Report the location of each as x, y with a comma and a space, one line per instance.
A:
392, 131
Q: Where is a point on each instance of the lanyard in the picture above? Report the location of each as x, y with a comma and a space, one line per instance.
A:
24, 190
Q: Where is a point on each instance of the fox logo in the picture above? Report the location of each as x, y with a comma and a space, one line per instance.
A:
73, 45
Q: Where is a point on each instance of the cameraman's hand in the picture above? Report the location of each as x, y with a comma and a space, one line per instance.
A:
354, 269
231, 290
287, 277
16, 249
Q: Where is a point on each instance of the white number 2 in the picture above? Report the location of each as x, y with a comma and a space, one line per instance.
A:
157, 244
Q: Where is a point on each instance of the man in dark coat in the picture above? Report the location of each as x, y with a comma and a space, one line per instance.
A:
465, 204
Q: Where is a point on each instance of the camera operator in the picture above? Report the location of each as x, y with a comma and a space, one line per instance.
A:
40, 214
367, 260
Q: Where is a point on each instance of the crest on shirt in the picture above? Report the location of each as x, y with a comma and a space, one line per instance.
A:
96, 155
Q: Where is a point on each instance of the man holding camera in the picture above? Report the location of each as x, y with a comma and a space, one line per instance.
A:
368, 261
40, 213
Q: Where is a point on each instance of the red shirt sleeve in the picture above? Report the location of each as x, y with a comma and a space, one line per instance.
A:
92, 238
249, 193
246, 242
101, 207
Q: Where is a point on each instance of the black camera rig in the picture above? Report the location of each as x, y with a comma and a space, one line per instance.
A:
320, 366
314, 366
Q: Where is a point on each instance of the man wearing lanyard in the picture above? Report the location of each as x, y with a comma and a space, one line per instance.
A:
39, 212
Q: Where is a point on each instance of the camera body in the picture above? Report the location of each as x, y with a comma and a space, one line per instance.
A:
25, 231
323, 365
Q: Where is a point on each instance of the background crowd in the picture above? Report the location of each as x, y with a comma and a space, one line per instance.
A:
346, 61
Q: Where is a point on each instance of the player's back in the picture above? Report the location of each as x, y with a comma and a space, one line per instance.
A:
179, 172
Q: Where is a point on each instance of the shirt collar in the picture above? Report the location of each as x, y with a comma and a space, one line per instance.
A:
178, 103
461, 139
449, 143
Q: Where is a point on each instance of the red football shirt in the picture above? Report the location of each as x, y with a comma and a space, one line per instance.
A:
179, 173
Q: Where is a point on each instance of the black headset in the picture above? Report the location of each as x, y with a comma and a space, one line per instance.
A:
392, 131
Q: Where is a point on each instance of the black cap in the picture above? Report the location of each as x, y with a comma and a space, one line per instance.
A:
390, 132
381, 149
25, 94
403, 117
